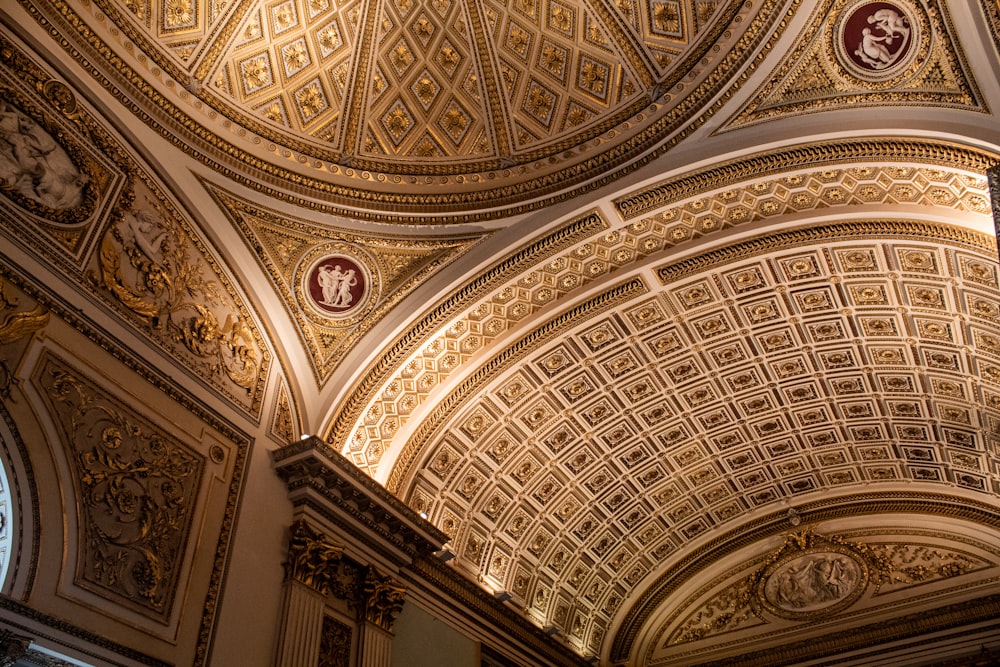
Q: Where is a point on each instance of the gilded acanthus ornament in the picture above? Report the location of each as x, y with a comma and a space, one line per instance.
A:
383, 599
137, 486
15, 326
151, 266
312, 559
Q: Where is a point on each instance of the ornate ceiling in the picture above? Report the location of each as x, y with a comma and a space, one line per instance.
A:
618, 294
452, 105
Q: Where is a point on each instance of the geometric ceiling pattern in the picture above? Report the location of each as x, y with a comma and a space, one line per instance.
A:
466, 111
578, 473
449, 107
616, 398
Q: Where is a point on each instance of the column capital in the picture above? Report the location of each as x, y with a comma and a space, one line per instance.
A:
312, 559
383, 599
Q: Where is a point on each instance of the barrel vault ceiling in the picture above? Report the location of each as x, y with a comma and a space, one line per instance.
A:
643, 303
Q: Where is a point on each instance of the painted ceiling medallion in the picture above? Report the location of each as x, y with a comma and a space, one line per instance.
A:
335, 283
876, 38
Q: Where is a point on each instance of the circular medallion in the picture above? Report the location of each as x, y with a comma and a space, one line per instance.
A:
877, 39
336, 285
812, 584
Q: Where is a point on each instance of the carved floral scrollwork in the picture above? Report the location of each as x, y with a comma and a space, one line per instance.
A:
312, 560
151, 266
383, 599
137, 488
814, 576
335, 643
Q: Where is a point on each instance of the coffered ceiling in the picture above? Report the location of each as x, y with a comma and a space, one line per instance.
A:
620, 295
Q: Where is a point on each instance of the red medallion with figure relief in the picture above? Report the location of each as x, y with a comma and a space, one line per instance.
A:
877, 36
337, 284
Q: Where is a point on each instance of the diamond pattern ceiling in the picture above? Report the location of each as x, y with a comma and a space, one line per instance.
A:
583, 414
484, 102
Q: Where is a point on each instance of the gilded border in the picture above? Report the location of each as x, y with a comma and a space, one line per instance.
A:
869, 229
64, 627
810, 156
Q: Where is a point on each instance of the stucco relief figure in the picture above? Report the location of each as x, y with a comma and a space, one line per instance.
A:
336, 284
884, 40
151, 266
812, 582
34, 165
329, 281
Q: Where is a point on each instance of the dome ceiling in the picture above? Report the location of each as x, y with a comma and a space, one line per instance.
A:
606, 401
440, 105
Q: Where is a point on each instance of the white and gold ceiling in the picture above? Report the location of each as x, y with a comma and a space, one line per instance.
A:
619, 294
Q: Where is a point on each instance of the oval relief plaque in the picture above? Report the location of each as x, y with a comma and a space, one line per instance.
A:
36, 171
814, 583
877, 38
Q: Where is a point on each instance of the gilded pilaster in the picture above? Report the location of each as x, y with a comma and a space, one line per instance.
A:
311, 566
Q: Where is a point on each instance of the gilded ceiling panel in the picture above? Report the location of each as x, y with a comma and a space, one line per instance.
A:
432, 106
107, 221
336, 283
676, 213
183, 29
855, 52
